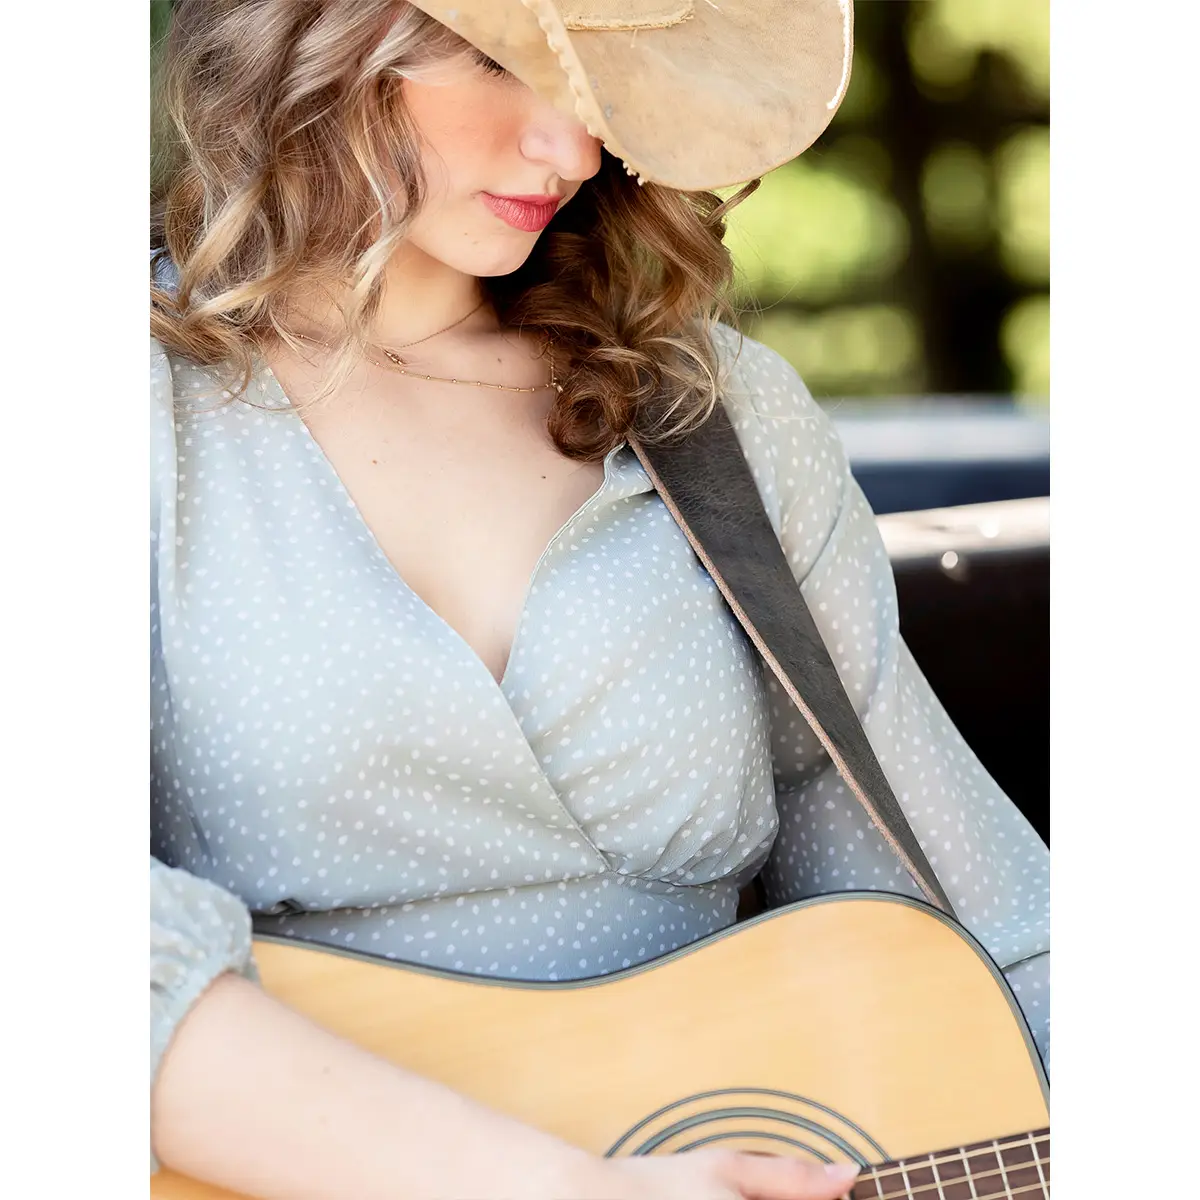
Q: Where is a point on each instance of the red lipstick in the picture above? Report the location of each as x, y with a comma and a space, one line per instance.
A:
529, 213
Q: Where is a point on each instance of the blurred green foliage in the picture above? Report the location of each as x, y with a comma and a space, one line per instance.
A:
783, 240
946, 38
1022, 168
907, 252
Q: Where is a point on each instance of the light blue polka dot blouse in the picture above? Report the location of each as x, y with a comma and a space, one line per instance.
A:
331, 757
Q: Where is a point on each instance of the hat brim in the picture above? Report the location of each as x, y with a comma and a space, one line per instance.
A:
736, 89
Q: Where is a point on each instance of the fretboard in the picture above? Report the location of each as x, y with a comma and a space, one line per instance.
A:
998, 1170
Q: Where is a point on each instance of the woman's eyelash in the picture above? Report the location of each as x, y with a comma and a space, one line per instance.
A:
490, 65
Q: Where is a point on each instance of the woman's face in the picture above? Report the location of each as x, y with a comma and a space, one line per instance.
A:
487, 136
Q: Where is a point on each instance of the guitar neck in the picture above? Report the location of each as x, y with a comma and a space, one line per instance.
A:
1002, 1169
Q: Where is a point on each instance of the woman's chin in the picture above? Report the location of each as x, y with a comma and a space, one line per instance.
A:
504, 256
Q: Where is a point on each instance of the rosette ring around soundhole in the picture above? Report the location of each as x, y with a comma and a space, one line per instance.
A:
762, 1119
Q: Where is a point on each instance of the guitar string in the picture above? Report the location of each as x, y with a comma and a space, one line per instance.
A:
937, 1179
1015, 1143
1037, 1160
890, 1174
928, 1190
1003, 1173
966, 1162
948, 1156
924, 1190
975, 1179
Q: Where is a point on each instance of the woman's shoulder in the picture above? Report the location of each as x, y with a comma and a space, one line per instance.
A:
190, 402
759, 383
787, 437
176, 381
205, 399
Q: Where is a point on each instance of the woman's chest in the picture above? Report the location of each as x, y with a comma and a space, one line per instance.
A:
462, 511
304, 691
270, 575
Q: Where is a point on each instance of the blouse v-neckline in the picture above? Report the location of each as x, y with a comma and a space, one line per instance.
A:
620, 480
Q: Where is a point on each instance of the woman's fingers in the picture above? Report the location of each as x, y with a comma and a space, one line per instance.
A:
775, 1177
713, 1174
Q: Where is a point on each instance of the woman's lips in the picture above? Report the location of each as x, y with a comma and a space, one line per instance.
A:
521, 214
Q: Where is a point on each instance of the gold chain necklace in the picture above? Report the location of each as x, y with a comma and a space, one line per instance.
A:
445, 329
397, 364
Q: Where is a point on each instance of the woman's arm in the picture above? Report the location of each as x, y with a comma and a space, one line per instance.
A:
250, 1095
256, 1098
987, 856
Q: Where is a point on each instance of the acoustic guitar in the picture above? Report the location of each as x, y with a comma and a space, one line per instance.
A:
856, 1026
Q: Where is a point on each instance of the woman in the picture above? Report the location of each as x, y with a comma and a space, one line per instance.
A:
435, 675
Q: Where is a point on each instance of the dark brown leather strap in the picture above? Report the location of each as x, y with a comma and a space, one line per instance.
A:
705, 482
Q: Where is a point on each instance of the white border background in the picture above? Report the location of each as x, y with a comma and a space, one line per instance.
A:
73, 502
1126, 466
72, 494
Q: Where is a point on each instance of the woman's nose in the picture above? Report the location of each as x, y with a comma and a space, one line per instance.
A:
562, 142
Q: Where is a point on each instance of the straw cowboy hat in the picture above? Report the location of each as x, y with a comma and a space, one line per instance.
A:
692, 94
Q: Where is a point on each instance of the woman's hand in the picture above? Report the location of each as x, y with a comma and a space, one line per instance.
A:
715, 1174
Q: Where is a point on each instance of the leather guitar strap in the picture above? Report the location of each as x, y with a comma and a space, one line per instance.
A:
705, 482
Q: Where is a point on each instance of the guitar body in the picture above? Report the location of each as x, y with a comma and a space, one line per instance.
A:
859, 1026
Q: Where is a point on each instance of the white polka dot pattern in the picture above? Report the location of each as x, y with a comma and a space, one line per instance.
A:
330, 753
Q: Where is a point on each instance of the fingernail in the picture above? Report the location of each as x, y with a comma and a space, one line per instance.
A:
841, 1172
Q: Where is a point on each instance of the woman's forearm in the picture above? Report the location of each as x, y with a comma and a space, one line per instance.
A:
258, 1099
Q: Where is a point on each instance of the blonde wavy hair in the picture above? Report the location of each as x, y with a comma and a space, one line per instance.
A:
285, 120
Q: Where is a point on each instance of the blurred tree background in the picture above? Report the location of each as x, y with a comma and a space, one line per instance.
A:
907, 252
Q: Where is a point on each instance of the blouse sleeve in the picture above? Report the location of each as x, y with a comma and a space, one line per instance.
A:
987, 856
198, 930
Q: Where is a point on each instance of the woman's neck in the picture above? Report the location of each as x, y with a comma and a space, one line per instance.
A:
421, 297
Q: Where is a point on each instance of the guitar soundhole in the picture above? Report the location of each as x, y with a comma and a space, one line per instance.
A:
756, 1119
